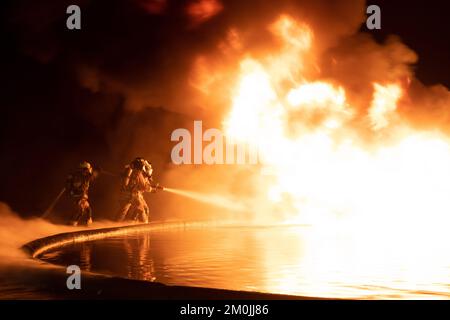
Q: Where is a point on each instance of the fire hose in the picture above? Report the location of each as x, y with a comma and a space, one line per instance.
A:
52, 205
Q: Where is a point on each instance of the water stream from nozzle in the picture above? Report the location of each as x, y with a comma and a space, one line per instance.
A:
213, 199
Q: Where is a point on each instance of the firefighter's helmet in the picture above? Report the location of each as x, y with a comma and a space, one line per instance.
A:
86, 166
138, 164
142, 164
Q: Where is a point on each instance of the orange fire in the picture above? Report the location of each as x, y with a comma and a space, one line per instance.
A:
319, 167
374, 190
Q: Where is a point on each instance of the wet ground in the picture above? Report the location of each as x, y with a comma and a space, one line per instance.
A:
291, 260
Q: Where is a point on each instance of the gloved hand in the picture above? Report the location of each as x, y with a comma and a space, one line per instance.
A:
96, 170
157, 187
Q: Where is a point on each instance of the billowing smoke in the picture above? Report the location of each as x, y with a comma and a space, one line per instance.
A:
145, 51
16, 231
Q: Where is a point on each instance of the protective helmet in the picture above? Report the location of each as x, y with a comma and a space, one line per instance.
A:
86, 166
138, 163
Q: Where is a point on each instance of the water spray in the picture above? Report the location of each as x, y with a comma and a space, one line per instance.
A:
212, 199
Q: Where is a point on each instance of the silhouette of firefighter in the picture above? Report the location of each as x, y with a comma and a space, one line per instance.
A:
77, 187
136, 180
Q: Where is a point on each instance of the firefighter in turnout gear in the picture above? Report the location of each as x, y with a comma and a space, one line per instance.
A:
77, 187
136, 179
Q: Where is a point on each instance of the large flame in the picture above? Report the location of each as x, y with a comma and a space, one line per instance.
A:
374, 189
320, 167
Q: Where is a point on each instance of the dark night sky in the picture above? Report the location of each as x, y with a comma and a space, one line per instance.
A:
423, 26
50, 122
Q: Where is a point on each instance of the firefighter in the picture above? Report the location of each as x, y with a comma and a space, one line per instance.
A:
77, 186
136, 179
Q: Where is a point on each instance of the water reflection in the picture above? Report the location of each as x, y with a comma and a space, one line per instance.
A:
290, 260
139, 264
85, 256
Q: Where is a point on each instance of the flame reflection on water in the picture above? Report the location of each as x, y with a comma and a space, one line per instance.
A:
287, 260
